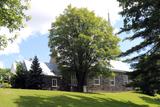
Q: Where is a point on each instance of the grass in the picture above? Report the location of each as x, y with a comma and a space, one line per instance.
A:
41, 98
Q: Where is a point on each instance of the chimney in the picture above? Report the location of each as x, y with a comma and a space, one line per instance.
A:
52, 60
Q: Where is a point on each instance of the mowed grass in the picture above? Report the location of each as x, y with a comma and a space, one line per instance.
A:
42, 98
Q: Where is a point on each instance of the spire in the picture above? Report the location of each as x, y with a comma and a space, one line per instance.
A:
109, 21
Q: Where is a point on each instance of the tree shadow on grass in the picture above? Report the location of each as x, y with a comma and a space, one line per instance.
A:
71, 101
151, 100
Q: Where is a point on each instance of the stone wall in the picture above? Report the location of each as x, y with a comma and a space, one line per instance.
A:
105, 83
47, 83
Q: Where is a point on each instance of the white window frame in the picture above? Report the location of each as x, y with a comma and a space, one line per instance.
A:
95, 79
73, 80
112, 80
125, 79
54, 79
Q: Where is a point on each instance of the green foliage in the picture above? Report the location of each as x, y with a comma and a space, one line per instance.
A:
12, 17
147, 74
5, 85
80, 41
5, 74
34, 80
3, 41
28, 79
142, 17
19, 80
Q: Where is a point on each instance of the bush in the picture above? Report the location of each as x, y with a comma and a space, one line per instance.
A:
19, 80
5, 85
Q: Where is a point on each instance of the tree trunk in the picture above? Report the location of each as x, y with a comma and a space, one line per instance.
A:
79, 86
81, 81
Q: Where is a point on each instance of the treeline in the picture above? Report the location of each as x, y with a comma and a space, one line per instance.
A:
31, 79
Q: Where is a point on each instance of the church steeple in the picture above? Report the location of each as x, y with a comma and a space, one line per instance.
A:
109, 21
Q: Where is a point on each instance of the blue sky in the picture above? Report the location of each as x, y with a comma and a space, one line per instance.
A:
33, 39
37, 44
34, 45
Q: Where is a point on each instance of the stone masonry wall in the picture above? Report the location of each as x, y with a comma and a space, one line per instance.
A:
105, 83
47, 83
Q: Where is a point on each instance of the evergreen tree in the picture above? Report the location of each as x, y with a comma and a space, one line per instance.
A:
19, 80
147, 74
142, 18
34, 80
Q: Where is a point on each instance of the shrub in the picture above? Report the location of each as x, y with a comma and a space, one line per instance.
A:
5, 85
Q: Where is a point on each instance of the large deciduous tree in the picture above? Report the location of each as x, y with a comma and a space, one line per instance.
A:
82, 43
12, 17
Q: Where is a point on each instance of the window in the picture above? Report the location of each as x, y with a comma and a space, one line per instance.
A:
125, 79
73, 80
54, 82
112, 81
97, 81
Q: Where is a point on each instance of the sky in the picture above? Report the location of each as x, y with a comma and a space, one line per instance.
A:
33, 39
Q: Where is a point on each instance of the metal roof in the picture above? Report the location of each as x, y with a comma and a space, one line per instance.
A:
45, 69
51, 69
120, 66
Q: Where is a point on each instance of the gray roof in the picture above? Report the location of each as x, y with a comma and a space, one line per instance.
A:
47, 68
51, 69
120, 66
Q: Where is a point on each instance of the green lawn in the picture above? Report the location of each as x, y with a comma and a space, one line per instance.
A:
40, 98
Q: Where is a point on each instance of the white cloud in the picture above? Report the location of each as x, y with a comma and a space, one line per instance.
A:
44, 12
14, 47
1, 65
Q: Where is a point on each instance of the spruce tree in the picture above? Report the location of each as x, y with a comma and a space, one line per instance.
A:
141, 17
147, 74
35, 75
